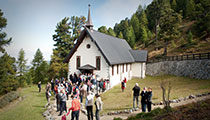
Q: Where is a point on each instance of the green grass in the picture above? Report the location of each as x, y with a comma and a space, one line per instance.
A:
31, 108
114, 99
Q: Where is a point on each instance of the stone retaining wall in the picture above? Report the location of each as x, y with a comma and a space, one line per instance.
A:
199, 69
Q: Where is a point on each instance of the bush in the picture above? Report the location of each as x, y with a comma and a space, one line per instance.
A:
9, 97
117, 118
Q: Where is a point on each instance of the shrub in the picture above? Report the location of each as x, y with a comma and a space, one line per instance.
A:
118, 118
9, 97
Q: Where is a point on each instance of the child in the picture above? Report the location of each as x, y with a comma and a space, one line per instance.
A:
64, 116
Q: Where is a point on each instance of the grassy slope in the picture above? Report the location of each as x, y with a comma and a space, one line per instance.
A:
114, 99
31, 108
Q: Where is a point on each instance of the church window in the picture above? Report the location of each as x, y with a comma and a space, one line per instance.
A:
88, 46
112, 70
98, 62
78, 61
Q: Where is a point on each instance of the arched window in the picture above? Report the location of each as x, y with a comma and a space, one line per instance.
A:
78, 62
98, 63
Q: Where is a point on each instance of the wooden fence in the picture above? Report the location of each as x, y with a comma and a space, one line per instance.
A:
199, 56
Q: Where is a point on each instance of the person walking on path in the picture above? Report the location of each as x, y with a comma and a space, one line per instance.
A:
149, 99
136, 92
63, 102
98, 104
89, 105
144, 99
40, 86
47, 93
75, 107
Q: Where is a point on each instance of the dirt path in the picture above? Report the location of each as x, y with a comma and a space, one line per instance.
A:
125, 116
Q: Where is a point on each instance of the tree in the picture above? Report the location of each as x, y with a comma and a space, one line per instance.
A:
143, 19
7, 74
111, 32
130, 36
120, 35
39, 68
169, 24
166, 87
144, 36
21, 68
3, 35
136, 26
190, 38
189, 8
103, 29
173, 4
67, 31
202, 24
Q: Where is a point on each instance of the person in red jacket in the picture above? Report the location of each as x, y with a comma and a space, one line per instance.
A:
75, 107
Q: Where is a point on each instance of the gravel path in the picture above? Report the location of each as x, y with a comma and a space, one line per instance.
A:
124, 116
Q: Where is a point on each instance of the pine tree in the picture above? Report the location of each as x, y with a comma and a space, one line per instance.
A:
190, 38
3, 35
21, 67
130, 36
190, 8
111, 32
103, 29
143, 19
169, 24
144, 36
7, 74
120, 35
39, 68
173, 4
136, 26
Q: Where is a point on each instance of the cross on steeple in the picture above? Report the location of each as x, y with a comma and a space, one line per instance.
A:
89, 21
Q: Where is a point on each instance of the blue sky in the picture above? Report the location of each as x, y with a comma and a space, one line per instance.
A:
31, 23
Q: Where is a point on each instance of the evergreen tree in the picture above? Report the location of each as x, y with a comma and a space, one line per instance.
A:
103, 29
190, 38
173, 4
143, 19
120, 35
202, 25
21, 68
7, 74
3, 40
169, 23
136, 26
111, 32
130, 36
144, 36
190, 8
39, 68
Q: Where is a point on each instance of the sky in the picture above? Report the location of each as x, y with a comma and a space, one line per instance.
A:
31, 23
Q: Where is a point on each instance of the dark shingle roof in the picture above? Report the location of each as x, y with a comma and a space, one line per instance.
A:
114, 50
139, 55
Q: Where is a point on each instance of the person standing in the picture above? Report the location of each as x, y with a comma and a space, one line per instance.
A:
40, 86
149, 99
136, 92
123, 85
63, 102
98, 104
144, 99
47, 93
89, 105
75, 107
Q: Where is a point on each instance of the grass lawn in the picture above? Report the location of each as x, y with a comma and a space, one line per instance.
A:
115, 99
31, 108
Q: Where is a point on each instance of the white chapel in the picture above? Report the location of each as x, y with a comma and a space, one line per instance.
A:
105, 56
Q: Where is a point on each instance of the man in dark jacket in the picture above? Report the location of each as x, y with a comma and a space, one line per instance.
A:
149, 99
136, 91
144, 99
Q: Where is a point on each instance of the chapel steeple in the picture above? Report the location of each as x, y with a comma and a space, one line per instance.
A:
89, 21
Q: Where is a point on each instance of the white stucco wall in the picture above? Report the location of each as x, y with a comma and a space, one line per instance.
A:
88, 56
138, 70
117, 78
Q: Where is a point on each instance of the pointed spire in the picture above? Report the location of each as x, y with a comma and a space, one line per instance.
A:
89, 22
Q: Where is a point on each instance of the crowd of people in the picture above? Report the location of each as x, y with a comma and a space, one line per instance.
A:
87, 86
78, 87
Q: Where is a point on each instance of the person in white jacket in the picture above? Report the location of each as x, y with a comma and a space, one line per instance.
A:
89, 105
98, 104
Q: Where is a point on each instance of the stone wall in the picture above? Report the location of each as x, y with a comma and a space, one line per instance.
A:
199, 69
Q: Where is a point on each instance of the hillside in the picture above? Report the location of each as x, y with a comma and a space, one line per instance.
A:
180, 45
